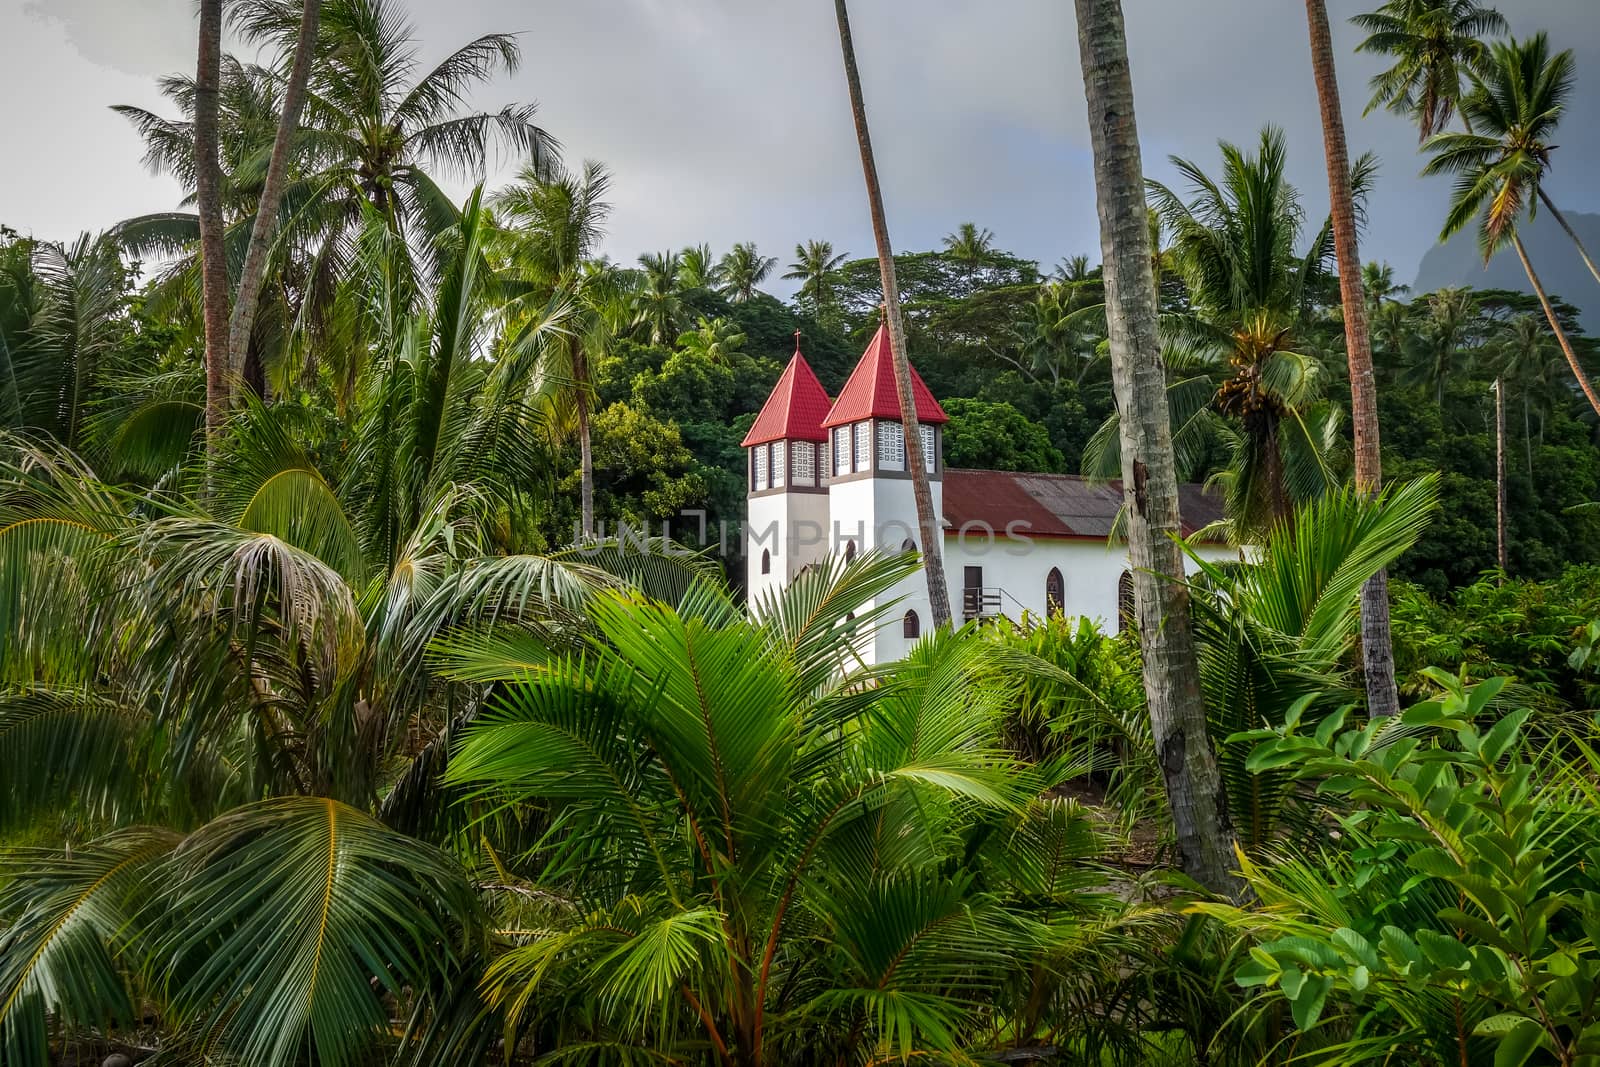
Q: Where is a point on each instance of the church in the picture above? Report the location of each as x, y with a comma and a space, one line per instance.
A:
828, 477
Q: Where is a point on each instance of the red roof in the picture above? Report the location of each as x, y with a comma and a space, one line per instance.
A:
795, 410
870, 392
1053, 505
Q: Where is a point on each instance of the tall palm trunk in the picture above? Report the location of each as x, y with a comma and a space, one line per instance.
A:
932, 534
1149, 479
208, 201
1500, 474
580, 376
1555, 324
1565, 225
242, 322
1377, 646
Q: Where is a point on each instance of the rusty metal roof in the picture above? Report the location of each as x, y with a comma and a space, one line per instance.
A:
1054, 505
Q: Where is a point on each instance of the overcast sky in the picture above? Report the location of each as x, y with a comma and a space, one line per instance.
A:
726, 120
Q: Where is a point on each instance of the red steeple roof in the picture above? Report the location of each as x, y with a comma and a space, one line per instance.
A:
870, 392
796, 407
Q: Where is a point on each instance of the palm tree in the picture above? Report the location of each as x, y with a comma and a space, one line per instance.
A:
67, 304
743, 268
1435, 45
658, 300
1383, 698
1526, 361
716, 340
970, 245
242, 322
222, 693
208, 207
1234, 243
1502, 159
698, 269
555, 221
1377, 282
1150, 485
372, 137
775, 841
814, 266
932, 536
1441, 340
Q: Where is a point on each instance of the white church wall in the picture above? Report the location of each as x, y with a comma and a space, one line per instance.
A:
792, 530
1090, 571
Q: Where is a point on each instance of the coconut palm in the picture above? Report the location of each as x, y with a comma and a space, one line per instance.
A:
1234, 242
928, 520
373, 138
698, 269
222, 698
814, 266
716, 340
658, 299
65, 305
1150, 484
1526, 367
1377, 282
554, 221
1443, 341
1378, 650
970, 245
742, 269
782, 874
1435, 45
1502, 159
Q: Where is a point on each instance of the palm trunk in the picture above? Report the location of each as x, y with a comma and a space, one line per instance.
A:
242, 322
580, 372
1150, 485
1562, 219
1555, 324
1383, 696
1527, 435
1500, 474
208, 200
932, 534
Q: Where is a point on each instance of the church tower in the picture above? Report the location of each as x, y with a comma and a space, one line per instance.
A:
869, 485
786, 521
871, 504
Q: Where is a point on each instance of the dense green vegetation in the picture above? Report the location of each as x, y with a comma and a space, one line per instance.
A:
345, 729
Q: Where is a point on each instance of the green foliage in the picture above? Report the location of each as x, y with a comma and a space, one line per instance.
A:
1453, 918
1522, 630
996, 436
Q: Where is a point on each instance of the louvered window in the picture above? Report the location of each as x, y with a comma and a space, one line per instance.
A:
891, 446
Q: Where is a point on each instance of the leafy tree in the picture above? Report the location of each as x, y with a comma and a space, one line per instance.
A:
996, 436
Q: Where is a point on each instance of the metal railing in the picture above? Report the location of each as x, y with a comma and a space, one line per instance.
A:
984, 603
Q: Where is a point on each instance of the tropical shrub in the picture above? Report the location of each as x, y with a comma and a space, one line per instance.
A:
1453, 917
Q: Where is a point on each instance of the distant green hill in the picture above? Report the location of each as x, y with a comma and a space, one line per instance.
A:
1553, 255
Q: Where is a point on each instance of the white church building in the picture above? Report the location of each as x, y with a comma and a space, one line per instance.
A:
828, 477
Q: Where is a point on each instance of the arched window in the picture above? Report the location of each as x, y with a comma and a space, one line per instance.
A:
1055, 592
908, 546
1125, 603
850, 551
911, 626
766, 561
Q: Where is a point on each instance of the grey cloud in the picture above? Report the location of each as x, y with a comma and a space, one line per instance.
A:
726, 120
